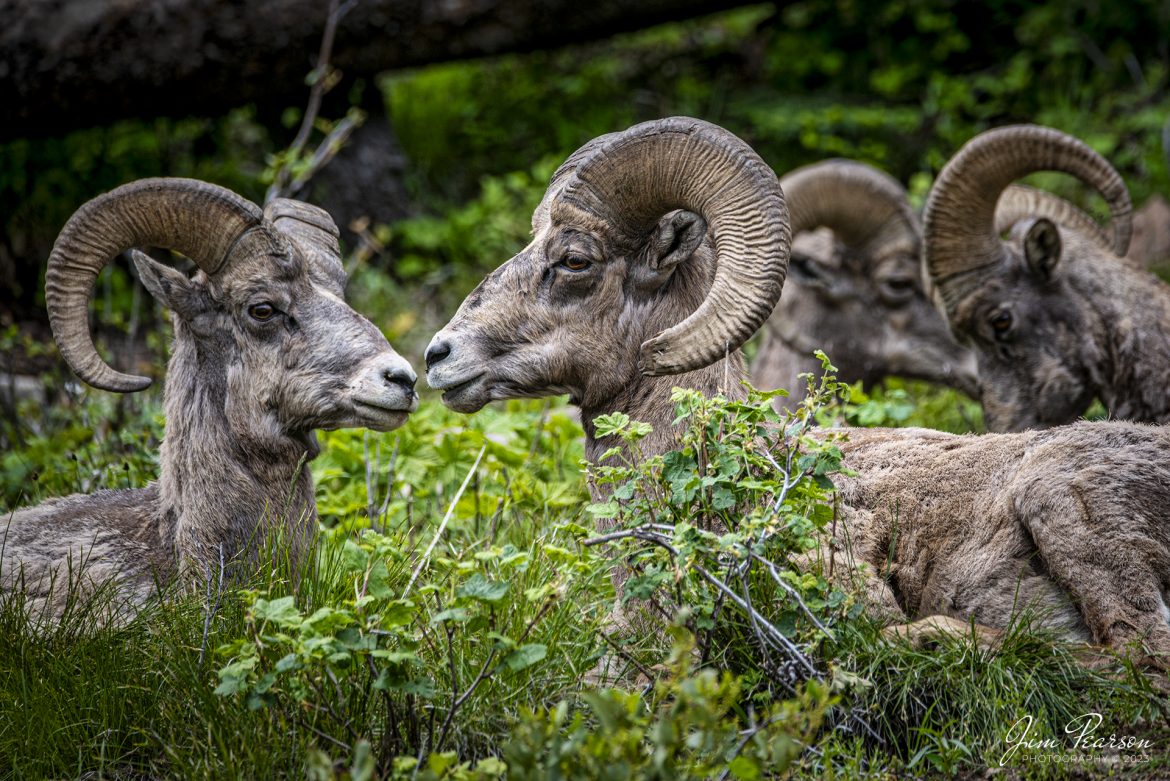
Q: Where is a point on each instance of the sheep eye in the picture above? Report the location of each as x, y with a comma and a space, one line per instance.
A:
899, 287
1001, 322
575, 263
262, 312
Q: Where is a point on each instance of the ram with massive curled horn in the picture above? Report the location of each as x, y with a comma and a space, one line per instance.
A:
1055, 318
617, 298
265, 351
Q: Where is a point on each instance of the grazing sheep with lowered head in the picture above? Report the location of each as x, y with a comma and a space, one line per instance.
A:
855, 289
266, 351
617, 298
1054, 318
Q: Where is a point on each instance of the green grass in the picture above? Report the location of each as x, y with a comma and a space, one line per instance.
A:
508, 609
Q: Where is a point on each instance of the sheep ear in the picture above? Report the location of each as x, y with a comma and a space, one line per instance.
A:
675, 239
1042, 248
171, 288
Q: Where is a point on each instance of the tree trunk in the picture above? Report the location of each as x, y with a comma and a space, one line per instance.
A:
68, 64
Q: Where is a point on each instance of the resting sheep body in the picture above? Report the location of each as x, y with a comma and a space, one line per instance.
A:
618, 298
1069, 522
266, 351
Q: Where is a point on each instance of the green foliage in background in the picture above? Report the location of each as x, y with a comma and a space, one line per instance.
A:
898, 84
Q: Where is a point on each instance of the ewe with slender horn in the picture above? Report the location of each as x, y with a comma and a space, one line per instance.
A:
266, 350
1055, 318
855, 290
1071, 522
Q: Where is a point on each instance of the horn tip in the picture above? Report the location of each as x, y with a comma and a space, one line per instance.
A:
657, 359
120, 383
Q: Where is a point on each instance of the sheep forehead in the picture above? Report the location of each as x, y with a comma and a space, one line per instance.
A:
819, 245
279, 263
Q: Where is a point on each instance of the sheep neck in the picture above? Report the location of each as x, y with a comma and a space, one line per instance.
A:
1130, 353
227, 481
647, 399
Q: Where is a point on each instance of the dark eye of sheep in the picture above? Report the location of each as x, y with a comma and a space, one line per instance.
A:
575, 263
899, 287
262, 311
1001, 322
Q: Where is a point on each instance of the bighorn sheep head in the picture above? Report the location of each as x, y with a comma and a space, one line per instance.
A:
1016, 301
265, 312
616, 281
858, 294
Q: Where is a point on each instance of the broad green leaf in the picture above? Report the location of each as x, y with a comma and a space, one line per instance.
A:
479, 588
282, 611
525, 656
455, 614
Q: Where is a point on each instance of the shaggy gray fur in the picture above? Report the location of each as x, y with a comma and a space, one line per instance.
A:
243, 397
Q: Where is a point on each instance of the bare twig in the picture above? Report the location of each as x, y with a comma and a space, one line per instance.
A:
326, 151
623, 653
390, 474
775, 572
212, 609
320, 84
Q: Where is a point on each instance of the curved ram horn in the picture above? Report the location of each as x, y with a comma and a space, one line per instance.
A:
860, 204
959, 224
1019, 202
684, 163
313, 230
199, 220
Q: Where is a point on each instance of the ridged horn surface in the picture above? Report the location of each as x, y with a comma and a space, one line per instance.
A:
683, 163
1020, 202
959, 224
200, 220
860, 204
313, 230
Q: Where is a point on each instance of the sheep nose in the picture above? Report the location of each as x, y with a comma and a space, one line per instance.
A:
403, 378
436, 352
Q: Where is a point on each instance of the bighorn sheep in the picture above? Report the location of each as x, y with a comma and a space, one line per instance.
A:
617, 298
855, 288
856, 292
1055, 319
266, 350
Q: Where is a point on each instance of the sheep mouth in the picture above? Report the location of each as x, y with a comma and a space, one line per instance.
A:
383, 416
468, 396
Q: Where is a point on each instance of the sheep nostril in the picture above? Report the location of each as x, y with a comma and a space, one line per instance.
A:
402, 378
436, 352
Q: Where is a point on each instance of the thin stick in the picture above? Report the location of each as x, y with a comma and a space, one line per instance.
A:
320, 76
443, 525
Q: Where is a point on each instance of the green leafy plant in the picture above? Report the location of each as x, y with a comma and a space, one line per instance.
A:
382, 647
723, 532
691, 725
